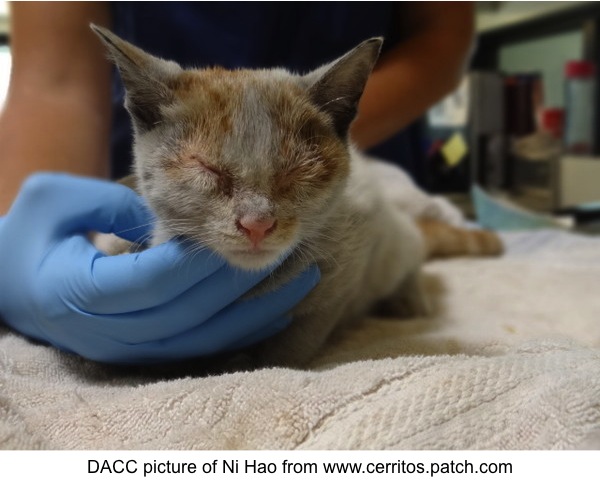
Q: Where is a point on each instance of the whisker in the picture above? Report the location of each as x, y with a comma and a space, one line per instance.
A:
337, 99
133, 228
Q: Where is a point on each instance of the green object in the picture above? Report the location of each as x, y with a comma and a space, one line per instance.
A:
589, 206
499, 214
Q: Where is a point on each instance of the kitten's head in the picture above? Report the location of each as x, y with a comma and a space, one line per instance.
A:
248, 163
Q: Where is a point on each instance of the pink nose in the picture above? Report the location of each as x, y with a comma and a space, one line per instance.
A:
256, 228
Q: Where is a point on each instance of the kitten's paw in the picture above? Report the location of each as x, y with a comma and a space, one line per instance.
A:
410, 300
110, 244
418, 304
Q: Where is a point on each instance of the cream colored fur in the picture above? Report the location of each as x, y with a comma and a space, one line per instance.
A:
373, 252
212, 146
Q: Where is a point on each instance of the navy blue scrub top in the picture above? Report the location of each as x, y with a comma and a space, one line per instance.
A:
299, 36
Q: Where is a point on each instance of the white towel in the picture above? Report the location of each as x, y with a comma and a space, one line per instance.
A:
511, 360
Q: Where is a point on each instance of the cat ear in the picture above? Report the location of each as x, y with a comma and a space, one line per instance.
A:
336, 88
145, 77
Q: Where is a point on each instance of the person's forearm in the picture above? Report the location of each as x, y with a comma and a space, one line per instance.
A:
415, 74
57, 113
50, 133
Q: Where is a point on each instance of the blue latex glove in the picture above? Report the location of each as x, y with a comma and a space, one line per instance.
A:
160, 304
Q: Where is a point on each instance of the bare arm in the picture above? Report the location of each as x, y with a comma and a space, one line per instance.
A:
418, 72
57, 113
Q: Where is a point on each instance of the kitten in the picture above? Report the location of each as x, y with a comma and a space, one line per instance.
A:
256, 165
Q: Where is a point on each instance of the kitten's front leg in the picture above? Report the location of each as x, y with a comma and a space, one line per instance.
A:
299, 343
409, 300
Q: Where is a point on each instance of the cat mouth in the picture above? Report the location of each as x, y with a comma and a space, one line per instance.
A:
253, 251
252, 258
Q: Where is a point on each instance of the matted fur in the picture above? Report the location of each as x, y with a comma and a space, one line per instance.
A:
215, 146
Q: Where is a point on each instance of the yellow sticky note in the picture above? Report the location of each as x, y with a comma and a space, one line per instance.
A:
454, 149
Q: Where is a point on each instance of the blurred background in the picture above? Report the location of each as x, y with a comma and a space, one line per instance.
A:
4, 51
524, 123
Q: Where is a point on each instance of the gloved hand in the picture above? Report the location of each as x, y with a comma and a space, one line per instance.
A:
159, 304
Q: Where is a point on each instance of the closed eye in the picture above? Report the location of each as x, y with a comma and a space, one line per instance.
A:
206, 166
224, 178
211, 169
310, 172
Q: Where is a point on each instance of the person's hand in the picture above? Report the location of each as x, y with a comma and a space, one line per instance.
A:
160, 304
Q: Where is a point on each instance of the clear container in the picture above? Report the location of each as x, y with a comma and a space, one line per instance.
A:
579, 96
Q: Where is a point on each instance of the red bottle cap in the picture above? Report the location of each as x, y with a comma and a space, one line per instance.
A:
553, 121
579, 69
